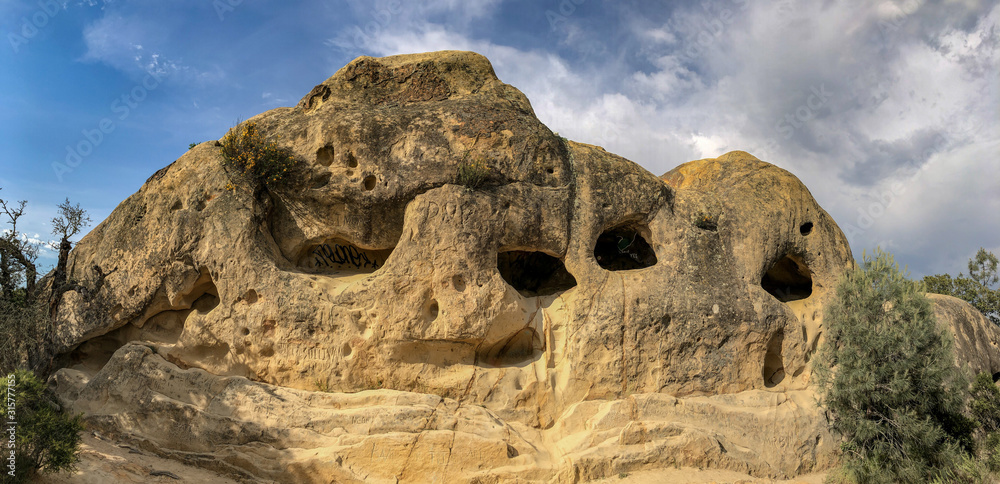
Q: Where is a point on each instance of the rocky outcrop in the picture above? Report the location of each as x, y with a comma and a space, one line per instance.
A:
975, 337
572, 318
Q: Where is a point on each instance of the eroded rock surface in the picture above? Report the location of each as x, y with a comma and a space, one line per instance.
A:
573, 318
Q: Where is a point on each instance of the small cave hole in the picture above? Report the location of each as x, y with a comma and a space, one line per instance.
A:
432, 310
806, 228
321, 181
324, 155
550, 171
534, 273
352, 162
624, 248
773, 371
250, 297
996, 377
205, 303
245, 331
346, 350
370, 182
176, 206
459, 282
788, 279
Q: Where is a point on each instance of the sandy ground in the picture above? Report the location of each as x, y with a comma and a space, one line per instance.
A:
104, 462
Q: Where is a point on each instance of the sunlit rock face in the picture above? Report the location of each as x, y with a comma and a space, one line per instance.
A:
574, 316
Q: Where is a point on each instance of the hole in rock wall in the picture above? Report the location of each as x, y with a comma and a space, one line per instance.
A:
806, 228
459, 283
774, 367
370, 182
324, 155
624, 248
788, 279
534, 273
432, 310
338, 255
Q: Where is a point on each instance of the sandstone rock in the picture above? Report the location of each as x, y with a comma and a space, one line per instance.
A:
574, 318
975, 337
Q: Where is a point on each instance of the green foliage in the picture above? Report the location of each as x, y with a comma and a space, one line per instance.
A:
254, 156
887, 377
979, 289
984, 408
984, 403
47, 439
473, 174
192, 145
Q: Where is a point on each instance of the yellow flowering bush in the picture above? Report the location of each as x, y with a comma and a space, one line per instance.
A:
248, 151
473, 174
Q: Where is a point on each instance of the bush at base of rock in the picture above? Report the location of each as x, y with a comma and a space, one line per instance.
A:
887, 377
46, 437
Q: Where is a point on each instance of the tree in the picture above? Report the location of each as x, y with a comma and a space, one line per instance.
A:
984, 408
980, 288
17, 257
70, 221
887, 377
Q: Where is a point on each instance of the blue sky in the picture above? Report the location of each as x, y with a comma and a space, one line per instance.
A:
888, 111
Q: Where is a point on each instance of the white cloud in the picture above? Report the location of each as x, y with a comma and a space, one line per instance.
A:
853, 97
118, 42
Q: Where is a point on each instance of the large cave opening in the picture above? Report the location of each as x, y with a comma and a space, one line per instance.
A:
788, 279
624, 247
534, 273
163, 326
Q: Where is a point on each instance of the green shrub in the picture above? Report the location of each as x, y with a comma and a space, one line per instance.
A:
254, 156
473, 174
886, 375
46, 438
984, 408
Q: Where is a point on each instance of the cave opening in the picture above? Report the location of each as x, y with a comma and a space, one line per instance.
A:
534, 273
773, 370
788, 279
163, 326
624, 247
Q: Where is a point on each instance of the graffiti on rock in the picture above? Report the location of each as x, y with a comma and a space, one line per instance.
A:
336, 255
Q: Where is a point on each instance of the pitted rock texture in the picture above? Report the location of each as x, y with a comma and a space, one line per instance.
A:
577, 314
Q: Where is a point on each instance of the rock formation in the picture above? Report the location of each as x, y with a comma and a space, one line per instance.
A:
375, 320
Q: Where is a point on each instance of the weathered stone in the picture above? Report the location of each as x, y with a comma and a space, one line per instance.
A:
573, 318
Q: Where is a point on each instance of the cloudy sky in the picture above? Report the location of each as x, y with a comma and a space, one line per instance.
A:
888, 111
